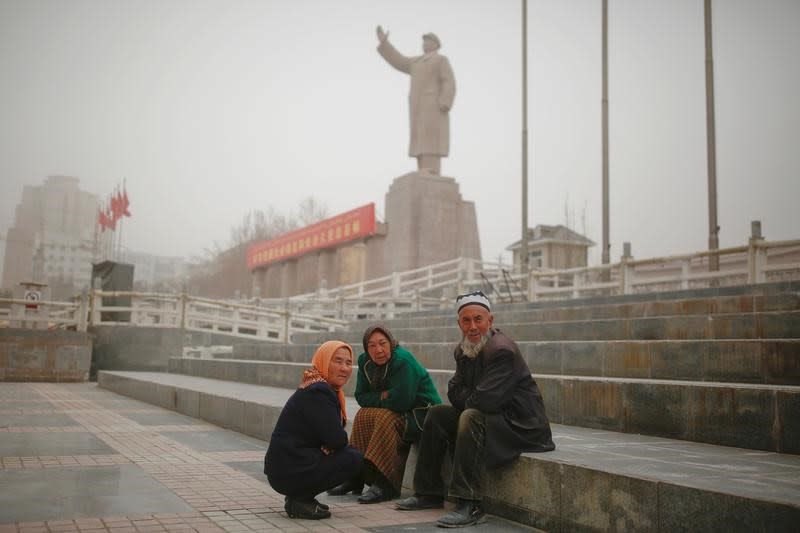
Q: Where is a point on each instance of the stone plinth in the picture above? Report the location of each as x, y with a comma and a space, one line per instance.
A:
428, 222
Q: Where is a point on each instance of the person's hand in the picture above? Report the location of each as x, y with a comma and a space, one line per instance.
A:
326, 450
382, 35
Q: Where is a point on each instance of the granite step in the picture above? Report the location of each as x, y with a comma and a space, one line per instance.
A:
594, 480
775, 361
760, 289
761, 417
759, 325
641, 309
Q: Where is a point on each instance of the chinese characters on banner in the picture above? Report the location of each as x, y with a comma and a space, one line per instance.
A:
355, 224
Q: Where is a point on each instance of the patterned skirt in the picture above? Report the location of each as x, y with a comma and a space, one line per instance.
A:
376, 433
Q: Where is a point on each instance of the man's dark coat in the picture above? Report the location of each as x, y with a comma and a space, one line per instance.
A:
498, 383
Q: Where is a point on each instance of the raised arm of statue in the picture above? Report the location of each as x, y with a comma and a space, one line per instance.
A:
390, 53
382, 35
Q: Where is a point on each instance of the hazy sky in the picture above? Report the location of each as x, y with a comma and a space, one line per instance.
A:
210, 109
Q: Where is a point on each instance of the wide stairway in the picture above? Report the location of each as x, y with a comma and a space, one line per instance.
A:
674, 411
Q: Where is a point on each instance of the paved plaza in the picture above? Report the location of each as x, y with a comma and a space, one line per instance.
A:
74, 457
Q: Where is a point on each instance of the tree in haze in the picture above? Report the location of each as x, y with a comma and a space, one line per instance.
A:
223, 273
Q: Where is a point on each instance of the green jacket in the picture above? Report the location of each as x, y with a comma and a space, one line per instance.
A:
407, 381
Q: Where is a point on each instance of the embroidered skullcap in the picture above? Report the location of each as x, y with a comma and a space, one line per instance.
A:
472, 298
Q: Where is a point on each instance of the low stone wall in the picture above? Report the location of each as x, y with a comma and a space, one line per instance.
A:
147, 349
37, 355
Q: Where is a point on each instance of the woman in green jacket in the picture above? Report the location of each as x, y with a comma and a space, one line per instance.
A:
391, 386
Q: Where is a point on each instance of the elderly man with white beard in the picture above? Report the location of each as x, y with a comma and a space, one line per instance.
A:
496, 413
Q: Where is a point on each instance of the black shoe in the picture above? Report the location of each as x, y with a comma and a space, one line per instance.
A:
376, 493
306, 510
420, 501
468, 513
319, 503
348, 486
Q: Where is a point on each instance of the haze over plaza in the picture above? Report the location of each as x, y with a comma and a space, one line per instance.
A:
212, 109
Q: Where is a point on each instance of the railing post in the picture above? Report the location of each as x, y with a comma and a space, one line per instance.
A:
287, 320
756, 254
92, 307
182, 316
685, 267
532, 277
340, 307
417, 300
470, 269
577, 282
625, 270
83, 309
395, 284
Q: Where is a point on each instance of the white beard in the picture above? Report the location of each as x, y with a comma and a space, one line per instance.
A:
472, 349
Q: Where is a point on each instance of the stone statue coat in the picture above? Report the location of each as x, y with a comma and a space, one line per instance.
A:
432, 85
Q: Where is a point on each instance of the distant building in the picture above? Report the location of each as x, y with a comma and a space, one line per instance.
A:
154, 271
553, 247
52, 239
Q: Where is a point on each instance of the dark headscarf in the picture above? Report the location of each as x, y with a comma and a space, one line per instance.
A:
383, 329
376, 375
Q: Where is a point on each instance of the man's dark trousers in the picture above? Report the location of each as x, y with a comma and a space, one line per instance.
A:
463, 433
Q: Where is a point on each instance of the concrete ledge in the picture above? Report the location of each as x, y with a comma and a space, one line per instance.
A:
759, 325
44, 355
754, 290
741, 361
568, 311
249, 409
594, 481
760, 417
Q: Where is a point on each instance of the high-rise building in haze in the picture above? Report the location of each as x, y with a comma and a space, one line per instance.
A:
52, 239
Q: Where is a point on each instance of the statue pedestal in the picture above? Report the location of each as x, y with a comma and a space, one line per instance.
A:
428, 222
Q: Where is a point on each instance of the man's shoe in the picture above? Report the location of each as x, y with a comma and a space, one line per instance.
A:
348, 486
468, 513
305, 510
319, 503
376, 494
420, 501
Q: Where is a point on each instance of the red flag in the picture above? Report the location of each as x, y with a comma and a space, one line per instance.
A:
101, 219
111, 220
116, 211
125, 203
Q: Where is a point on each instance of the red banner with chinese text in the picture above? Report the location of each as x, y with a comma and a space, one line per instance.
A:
355, 224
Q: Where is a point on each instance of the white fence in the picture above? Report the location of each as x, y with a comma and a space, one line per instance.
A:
758, 262
18, 313
415, 290
98, 308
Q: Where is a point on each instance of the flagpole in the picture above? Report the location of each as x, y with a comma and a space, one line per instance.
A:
121, 218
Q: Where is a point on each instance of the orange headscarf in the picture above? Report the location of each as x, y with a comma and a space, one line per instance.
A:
319, 369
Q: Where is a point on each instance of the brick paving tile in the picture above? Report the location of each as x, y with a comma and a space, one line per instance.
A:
222, 498
157, 527
143, 523
89, 523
